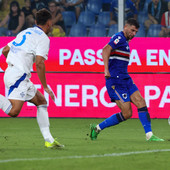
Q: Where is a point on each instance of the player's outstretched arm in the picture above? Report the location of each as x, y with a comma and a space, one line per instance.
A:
41, 74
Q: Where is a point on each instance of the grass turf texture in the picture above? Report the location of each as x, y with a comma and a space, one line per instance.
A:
22, 145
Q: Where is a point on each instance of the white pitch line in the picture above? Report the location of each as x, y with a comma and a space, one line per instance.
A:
85, 156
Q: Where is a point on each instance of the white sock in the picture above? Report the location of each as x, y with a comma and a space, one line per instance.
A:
98, 128
149, 135
5, 104
43, 122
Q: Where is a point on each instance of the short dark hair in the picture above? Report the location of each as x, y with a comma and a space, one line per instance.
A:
132, 21
42, 16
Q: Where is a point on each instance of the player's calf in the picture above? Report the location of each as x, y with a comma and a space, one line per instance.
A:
14, 112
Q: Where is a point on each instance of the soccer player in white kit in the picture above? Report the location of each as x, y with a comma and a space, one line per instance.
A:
30, 45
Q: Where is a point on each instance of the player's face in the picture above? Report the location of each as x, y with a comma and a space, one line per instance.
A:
130, 31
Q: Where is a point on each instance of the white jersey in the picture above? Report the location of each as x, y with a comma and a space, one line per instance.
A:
25, 47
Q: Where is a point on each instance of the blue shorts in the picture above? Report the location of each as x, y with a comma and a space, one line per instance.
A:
120, 89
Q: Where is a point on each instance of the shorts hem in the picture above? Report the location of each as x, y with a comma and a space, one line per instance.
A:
14, 98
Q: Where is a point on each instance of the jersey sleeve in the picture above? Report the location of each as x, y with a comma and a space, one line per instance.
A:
115, 41
10, 43
43, 48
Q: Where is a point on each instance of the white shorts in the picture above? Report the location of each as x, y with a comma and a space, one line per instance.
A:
20, 87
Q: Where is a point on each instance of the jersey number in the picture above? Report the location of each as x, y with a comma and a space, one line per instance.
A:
22, 41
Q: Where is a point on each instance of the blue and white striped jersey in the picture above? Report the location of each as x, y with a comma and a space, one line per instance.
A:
119, 56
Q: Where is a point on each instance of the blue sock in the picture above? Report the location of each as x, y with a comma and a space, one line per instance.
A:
144, 117
112, 120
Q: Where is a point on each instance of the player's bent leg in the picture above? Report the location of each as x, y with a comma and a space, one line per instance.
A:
137, 99
11, 107
38, 99
43, 121
125, 108
16, 107
126, 113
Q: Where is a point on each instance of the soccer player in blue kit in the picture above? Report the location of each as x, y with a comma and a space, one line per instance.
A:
119, 84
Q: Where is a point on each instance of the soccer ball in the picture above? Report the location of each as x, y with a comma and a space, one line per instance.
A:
169, 120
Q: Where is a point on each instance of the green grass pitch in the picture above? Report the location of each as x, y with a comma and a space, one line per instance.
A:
120, 147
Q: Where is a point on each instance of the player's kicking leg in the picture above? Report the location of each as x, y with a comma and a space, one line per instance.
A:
113, 120
125, 114
43, 121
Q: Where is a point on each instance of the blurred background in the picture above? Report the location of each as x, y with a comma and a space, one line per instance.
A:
86, 18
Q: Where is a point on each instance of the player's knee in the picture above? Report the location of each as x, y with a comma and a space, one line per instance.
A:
14, 112
141, 103
42, 101
127, 114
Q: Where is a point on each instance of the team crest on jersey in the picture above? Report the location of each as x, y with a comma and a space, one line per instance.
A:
116, 41
22, 94
124, 95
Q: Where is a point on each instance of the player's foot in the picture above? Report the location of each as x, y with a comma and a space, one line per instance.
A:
55, 144
155, 138
93, 132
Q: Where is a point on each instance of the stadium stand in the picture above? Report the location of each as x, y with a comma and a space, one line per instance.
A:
154, 30
87, 18
78, 30
69, 18
97, 30
93, 13
94, 6
104, 18
141, 32
142, 17
112, 30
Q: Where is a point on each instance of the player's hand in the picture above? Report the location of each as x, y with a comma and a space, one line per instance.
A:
50, 93
107, 74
